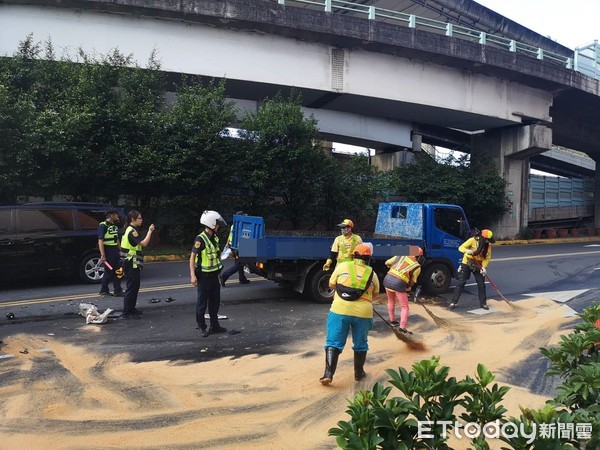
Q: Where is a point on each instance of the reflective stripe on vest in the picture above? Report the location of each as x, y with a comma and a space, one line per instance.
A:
130, 252
362, 284
403, 267
111, 235
346, 254
211, 256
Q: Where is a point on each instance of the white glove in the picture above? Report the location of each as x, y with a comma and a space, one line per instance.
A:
483, 271
327, 265
469, 252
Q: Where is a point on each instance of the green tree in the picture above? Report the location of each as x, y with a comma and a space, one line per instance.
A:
280, 159
476, 186
350, 189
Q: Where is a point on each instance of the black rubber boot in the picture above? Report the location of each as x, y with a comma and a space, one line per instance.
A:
331, 360
359, 362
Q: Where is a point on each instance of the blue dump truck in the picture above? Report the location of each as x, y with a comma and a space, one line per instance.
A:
297, 261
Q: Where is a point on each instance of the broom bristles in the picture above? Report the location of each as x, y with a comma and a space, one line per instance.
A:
442, 323
410, 342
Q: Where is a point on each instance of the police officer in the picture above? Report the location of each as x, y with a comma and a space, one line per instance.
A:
205, 267
133, 261
343, 245
108, 244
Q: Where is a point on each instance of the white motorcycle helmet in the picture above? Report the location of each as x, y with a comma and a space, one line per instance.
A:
210, 219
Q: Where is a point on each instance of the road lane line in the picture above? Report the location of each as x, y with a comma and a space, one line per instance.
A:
85, 296
515, 258
69, 298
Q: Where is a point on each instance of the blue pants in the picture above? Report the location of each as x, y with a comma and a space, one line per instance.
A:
338, 327
133, 286
112, 257
237, 267
209, 296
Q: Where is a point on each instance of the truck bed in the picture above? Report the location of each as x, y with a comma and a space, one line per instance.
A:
313, 248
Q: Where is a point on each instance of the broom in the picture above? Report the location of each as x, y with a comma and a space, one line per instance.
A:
442, 323
513, 306
404, 337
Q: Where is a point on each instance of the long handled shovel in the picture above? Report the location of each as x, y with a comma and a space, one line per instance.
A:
404, 337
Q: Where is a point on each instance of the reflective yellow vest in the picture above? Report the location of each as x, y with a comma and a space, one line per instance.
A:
111, 235
346, 254
210, 257
130, 252
402, 268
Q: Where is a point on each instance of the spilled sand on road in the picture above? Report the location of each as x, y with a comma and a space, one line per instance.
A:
63, 396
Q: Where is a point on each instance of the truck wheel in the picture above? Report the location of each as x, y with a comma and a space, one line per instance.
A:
319, 286
436, 278
90, 269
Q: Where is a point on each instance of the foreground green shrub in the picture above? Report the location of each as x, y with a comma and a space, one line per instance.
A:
426, 413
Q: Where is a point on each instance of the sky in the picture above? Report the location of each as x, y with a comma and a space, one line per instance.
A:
572, 23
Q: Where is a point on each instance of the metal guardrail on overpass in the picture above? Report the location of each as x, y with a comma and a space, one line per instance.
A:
583, 60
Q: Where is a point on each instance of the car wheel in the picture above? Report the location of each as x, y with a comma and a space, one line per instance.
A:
435, 279
319, 286
90, 269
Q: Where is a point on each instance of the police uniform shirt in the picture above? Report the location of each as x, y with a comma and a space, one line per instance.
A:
134, 237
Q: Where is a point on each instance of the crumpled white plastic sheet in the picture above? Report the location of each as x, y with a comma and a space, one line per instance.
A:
92, 315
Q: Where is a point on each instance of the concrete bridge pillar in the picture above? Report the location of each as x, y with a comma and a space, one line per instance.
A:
597, 194
510, 150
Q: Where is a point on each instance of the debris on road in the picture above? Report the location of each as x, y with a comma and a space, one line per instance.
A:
92, 315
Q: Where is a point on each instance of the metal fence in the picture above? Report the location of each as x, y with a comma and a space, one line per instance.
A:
584, 59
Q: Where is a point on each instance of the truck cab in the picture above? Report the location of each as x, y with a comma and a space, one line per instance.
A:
440, 228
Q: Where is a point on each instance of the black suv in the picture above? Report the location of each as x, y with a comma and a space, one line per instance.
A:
41, 238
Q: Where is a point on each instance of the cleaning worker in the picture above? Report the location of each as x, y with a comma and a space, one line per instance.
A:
343, 245
403, 274
354, 282
477, 256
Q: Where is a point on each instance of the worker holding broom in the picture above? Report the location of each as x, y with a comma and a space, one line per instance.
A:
354, 282
477, 256
403, 274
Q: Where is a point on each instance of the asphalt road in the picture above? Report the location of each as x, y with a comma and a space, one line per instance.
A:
267, 317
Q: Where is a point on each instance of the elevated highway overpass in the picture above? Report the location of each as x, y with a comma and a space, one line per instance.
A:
370, 80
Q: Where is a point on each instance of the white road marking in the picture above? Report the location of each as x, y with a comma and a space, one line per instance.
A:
481, 311
559, 296
568, 312
515, 258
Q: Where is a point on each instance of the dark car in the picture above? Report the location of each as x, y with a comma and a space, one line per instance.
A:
37, 239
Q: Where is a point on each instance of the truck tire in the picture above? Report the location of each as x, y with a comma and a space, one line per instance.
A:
90, 270
435, 278
318, 286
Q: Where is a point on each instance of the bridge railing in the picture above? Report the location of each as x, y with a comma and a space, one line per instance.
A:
578, 61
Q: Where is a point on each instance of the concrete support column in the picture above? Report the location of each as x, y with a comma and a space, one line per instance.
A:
510, 150
597, 195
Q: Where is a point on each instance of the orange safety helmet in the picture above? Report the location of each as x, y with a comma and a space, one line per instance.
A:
346, 223
363, 250
487, 234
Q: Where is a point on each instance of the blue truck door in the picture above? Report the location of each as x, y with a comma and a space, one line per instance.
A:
447, 228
